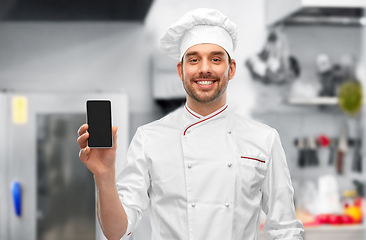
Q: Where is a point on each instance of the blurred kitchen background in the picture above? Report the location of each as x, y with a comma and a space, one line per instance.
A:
300, 68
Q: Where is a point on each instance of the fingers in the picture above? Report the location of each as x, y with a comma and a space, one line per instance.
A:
83, 140
83, 136
83, 129
114, 132
84, 154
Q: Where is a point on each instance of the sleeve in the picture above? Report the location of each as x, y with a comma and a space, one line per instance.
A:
277, 198
134, 181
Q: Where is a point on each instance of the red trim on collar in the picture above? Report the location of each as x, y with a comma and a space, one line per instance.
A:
191, 112
253, 159
204, 119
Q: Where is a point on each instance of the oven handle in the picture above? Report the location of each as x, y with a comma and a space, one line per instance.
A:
16, 190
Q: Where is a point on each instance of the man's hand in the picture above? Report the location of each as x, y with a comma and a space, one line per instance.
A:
100, 161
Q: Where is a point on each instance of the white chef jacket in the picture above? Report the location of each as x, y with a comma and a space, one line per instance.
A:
208, 177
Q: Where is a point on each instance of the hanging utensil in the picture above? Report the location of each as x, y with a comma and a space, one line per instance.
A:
332, 151
342, 148
313, 156
300, 147
323, 149
357, 155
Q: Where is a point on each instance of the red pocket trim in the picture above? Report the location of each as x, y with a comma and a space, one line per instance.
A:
254, 159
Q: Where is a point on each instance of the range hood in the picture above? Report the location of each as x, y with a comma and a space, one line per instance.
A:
350, 12
74, 10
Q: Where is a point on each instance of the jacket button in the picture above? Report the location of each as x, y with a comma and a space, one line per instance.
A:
227, 205
189, 166
229, 165
193, 204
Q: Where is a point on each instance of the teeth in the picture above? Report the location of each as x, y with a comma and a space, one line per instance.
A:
205, 82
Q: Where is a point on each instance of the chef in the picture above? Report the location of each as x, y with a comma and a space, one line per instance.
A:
203, 171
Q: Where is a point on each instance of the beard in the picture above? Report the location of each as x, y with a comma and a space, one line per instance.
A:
205, 96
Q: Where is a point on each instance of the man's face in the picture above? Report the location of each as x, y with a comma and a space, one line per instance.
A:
206, 72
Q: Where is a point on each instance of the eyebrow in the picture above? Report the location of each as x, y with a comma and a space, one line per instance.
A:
212, 53
217, 53
191, 53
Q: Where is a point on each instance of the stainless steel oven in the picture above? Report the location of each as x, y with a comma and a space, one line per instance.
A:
46, 192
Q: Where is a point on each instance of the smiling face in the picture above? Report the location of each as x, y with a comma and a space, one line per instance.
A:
205, 72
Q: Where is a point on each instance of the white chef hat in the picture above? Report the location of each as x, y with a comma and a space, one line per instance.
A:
198, 26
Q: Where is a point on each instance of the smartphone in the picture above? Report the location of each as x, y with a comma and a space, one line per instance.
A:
99, 119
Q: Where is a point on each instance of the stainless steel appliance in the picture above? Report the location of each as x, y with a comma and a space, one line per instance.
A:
46, 192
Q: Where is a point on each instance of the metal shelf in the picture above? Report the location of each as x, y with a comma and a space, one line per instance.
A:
314, 101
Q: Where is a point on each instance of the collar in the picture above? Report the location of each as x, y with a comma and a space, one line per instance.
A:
198, 119
192, 114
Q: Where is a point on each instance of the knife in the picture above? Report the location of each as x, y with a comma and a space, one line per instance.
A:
342, 147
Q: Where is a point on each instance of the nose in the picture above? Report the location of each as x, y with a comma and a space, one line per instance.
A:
205, 66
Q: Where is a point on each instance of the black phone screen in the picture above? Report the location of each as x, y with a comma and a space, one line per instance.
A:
99, 119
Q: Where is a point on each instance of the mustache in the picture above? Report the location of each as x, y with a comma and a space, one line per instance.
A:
206, 76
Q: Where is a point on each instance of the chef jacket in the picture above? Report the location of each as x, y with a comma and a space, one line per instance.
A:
208, 177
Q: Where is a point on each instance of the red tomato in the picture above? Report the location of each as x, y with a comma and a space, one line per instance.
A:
347, 219
322, 218
335, 219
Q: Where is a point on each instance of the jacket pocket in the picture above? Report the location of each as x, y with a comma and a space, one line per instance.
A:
252, 171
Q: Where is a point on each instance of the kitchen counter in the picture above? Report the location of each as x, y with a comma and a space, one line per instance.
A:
331, 232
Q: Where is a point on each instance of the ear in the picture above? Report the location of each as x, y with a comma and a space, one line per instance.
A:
180, 70
232, 69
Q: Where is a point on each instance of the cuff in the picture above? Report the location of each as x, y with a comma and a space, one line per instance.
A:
129, 212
